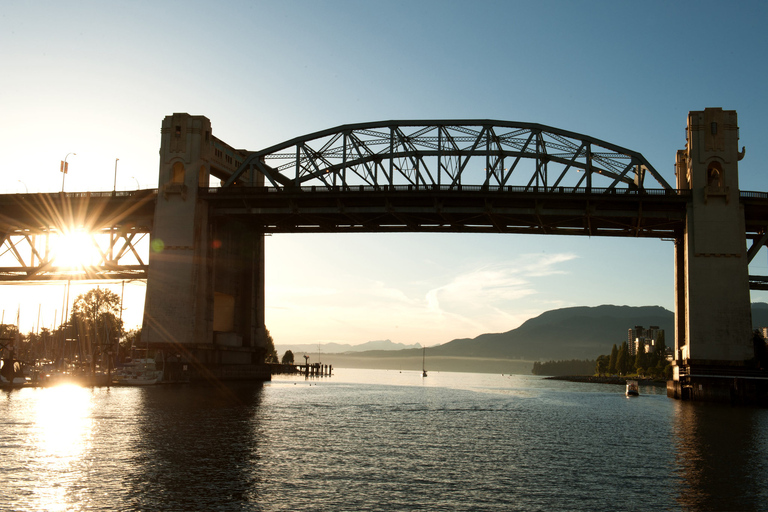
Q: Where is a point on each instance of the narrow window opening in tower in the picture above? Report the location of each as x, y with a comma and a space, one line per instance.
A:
202, 178
177, 173
715, 176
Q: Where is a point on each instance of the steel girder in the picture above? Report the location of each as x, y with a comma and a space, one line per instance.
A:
113, 227
449, 153
650, 213
34, 258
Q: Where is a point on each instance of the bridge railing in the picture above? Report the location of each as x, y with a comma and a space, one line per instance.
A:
746, 194
86, 195
449, 188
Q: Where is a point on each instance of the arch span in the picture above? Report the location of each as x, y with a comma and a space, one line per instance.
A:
447, 153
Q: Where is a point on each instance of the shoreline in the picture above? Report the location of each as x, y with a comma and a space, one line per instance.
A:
620, 381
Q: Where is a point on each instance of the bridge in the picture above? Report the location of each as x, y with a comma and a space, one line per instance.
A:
205, 269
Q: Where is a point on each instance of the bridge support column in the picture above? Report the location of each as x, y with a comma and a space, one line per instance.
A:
713, 345
205, 283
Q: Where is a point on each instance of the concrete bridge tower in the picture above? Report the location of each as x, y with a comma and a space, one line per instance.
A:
205, 288
713, 315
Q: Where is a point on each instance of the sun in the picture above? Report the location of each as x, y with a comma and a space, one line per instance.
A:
74, 249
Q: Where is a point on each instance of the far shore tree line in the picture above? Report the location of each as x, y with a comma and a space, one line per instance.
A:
619, 362
653, 364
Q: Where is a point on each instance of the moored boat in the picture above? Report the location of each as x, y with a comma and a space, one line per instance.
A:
139, 372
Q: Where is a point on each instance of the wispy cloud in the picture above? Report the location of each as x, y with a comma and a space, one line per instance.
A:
493, 287
490, 298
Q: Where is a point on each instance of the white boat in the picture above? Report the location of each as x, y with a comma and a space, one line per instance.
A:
632, 388
139, 372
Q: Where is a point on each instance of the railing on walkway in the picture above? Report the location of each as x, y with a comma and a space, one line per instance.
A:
451, 188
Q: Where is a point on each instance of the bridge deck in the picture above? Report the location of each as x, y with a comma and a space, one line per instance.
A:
463, 209
657, 213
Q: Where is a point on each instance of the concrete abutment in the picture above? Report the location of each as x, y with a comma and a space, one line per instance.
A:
714, 352
205, 283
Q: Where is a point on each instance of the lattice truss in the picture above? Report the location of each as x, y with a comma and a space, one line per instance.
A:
450, 154
49, 254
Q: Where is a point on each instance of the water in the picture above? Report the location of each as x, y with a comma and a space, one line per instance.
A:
378, 440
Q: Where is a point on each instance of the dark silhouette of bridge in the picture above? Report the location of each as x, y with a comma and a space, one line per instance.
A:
205, 269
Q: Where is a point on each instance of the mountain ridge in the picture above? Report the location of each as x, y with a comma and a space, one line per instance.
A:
579, 332
342, 348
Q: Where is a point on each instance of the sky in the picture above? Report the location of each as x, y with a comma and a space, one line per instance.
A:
97, 78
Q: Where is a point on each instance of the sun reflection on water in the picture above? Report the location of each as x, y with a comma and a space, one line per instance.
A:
63, 426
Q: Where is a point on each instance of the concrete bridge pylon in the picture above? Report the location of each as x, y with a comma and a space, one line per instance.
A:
205, 283
713, 334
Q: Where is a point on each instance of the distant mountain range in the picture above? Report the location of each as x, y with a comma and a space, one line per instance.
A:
340, 348
568, 333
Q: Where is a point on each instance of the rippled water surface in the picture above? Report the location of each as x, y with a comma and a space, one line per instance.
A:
378, 440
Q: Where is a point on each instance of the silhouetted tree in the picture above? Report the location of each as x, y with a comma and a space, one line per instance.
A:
569, 367
270, 355
95, 316
602, 364
622, 360
287, 357
640, 356
130, 340
612, 360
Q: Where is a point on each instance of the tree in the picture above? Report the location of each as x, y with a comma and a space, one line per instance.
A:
640, 356
612, 361
95, 315
129, 341
602, 364
661, 345
287, 357
270, 354
622, 360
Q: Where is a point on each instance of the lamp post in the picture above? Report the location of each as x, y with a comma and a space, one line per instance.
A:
114, 186
25, 186
137, 182
64, 169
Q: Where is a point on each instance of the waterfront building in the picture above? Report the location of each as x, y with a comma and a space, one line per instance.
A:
648, 338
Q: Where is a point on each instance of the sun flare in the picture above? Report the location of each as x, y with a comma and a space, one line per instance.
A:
74, 249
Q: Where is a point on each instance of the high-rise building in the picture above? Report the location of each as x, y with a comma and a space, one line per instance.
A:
640, 335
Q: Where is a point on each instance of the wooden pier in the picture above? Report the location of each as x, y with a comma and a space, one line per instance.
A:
315, 369
308, 370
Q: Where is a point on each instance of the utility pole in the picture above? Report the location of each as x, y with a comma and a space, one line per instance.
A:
114, 186
64, 168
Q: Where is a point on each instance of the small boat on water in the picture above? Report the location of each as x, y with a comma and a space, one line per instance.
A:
632, 388
423, 367
139, 372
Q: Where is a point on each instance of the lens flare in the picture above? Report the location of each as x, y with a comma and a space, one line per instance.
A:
74, 249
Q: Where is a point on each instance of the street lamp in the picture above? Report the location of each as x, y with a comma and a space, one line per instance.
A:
25, 186
64, 169
114, 186
137, 182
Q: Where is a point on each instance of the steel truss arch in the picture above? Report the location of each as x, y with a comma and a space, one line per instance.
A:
447, 154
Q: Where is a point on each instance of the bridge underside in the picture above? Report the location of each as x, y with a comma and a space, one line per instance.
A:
112, 226
657, 214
